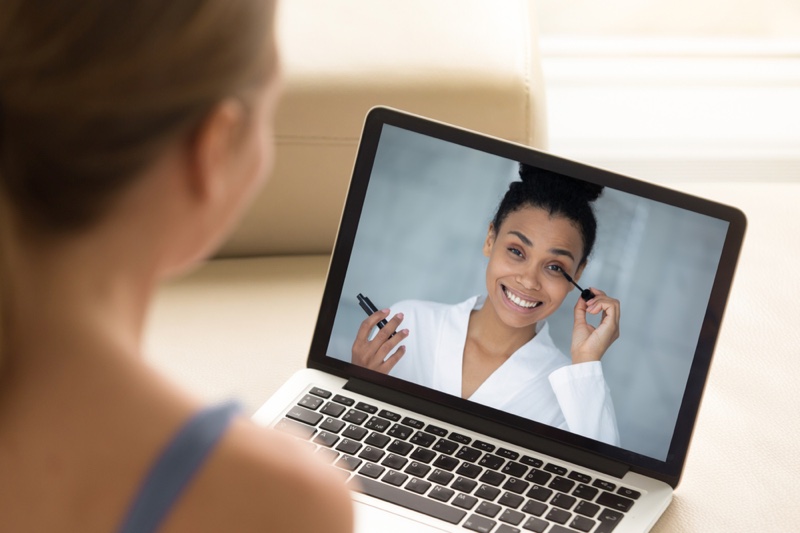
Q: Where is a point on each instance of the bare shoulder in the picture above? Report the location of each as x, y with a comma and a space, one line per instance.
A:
261, 480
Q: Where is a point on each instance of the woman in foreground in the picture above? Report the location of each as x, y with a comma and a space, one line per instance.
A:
132, 136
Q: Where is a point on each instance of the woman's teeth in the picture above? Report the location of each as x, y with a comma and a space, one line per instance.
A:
519, 301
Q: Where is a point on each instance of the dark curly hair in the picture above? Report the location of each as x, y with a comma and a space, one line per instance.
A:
559, 195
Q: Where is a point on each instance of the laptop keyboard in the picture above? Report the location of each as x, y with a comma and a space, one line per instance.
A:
450, 475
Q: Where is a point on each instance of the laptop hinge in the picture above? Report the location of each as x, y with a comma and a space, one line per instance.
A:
490, 428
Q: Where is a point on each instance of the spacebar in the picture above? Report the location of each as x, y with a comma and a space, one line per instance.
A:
406, 499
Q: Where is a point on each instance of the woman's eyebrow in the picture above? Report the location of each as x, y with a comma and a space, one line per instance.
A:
526, 241
561, 251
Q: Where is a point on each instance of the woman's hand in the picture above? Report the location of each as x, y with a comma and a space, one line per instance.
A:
590, 343
374, 354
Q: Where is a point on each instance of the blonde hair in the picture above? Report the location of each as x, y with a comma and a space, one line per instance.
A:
92, 91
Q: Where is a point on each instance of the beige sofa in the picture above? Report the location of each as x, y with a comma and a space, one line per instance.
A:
242, 323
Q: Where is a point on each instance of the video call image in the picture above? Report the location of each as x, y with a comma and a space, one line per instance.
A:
513, 287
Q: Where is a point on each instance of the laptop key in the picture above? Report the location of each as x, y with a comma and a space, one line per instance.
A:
535, 524
297, 429
436, 430
399, 447
479, 523
347, 462
349, 446
354, 417
505, 528
540, 477
629, 493
579, 477
420, 486
464, 484
517, 486
310, 402
587, 508
531, 461
493, 478
465, 501
511, 455
423, 454
445, 446
483, 446
488, 509
303, 415
372, 470
333, 409
394, 461
377, 440
441, 477
608, 521
558, 515
445, 462
378, 424
563, 501
325, 438
586, 492
389, 415
581, 523
367, 408
514, 469
562, 484
468, 454
512, 517
400, 431
322, 393
615, 502
372, 454
491, 461
332, 424
458, 437
469, 470
539, 493
354, 432
344, 400
511, 500
406, 499
555, 469
535, 508
414, 423
605, 485
487, 492
443, 494
418, 469
421, 438
395, 478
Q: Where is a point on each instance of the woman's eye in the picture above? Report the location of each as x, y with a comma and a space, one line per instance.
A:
515, 252
555, 268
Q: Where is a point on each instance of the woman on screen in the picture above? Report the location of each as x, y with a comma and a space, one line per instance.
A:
496, 349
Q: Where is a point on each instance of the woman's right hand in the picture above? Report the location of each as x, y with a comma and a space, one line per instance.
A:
374, 354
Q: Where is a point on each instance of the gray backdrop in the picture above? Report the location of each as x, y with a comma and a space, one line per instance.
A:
425, 217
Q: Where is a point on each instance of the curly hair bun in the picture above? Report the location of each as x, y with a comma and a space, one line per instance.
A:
553, 185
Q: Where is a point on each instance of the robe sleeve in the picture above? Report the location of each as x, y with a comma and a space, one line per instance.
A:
585, 401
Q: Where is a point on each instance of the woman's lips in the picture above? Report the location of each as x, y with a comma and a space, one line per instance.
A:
520, 302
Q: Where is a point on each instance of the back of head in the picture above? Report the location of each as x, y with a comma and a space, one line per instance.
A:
91, 92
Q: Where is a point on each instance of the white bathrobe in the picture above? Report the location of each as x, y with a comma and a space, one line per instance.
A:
537, 382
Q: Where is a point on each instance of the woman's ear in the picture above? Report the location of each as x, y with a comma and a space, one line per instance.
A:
490, 238
213, 150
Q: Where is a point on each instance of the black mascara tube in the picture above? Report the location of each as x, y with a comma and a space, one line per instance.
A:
369, 308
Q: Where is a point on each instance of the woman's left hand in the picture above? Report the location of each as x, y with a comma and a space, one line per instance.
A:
589, 343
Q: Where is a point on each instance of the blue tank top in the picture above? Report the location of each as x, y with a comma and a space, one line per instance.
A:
176, 466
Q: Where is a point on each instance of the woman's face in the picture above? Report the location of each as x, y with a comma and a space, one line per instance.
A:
526, 256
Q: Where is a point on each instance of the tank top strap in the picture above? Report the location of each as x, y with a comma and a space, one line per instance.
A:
176, 466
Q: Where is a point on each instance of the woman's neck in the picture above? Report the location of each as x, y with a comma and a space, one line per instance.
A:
69, 295
494, 336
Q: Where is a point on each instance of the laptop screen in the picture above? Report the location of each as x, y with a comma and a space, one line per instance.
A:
481, 248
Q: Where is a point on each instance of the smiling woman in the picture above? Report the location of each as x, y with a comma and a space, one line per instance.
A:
496, 349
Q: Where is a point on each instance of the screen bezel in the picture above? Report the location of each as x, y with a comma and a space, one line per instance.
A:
668, 470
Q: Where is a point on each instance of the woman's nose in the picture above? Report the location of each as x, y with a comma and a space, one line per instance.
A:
529, 280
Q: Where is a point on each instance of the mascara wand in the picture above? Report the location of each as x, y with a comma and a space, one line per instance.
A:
586, 294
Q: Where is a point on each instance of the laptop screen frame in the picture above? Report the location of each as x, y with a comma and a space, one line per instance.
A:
668, 470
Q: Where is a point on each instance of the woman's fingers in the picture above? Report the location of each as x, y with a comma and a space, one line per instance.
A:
590, 343
381, 352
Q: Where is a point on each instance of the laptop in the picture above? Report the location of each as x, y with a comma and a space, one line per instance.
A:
437, 432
